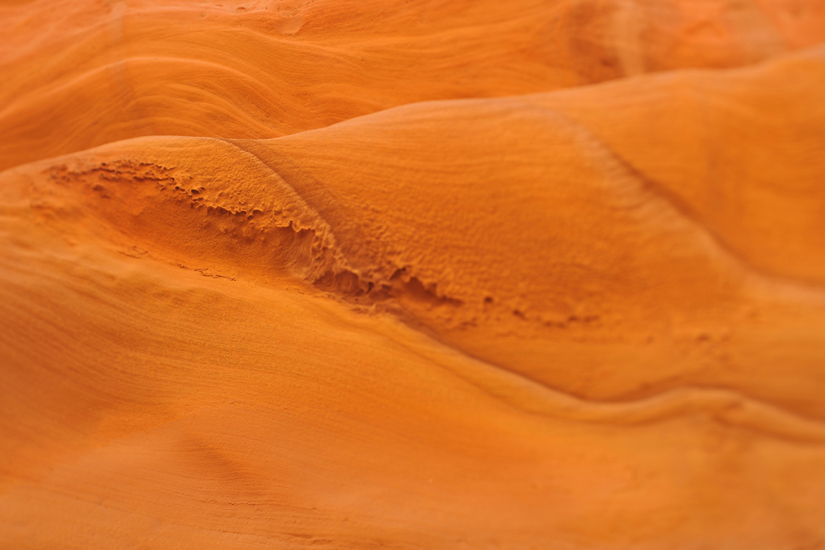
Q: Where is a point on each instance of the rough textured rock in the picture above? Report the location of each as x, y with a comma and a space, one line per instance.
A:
343, 274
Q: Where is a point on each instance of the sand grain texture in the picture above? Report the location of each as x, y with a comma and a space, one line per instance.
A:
343, 274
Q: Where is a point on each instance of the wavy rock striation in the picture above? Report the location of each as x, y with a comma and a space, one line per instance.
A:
314, 274
81, 74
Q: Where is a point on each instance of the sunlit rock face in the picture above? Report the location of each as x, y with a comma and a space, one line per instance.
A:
346, 274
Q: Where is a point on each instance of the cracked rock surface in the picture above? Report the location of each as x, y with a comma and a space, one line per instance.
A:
344, 274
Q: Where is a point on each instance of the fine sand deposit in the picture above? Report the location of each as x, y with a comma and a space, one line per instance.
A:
346, 274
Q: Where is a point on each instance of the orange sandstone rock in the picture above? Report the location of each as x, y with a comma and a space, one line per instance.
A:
412, 275
81, 74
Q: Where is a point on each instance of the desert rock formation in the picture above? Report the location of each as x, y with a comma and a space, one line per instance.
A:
392, 274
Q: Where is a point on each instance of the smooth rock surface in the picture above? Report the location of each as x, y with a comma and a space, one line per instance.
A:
388, 274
